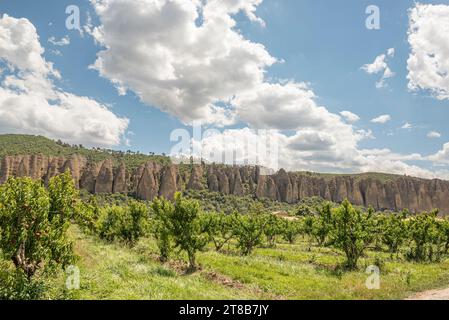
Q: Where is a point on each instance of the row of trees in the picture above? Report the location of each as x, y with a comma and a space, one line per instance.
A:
181, 224
34, 221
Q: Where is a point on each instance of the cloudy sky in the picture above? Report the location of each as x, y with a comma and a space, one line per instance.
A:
336, 95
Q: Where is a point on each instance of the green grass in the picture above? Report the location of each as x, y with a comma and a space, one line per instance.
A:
300, 271
114, 271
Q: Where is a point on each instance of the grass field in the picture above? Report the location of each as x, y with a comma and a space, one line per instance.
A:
300, 271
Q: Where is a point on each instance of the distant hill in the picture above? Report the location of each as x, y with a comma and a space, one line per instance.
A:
149, 176
15, 144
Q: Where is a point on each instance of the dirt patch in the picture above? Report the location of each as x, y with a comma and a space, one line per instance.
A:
223, 280
284, 215
237, 285
431, 295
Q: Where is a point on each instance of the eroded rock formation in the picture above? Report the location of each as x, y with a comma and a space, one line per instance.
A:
151, 180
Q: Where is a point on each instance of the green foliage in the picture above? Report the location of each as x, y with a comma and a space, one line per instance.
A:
88, 215
15, 285
309, 206
33, 233
127, 223
353, 231
219, 228
291, 230
427, 236
249, 230
273, 228
161, 227
181, 222
228, 204
11, 144
322, 224
393, 230
34, 222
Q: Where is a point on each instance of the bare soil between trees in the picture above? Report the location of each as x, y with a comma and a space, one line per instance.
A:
442, 294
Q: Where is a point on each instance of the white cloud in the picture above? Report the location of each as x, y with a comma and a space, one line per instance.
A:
434, 135
382, 119
391, 52
180, 66
31, 103
188, 58
56, 52
442, 156
310, 151
65, 41
407, 126
350, 117
380, 66
157, 50
428, 64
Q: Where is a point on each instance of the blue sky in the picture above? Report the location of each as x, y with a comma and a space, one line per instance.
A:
322, 43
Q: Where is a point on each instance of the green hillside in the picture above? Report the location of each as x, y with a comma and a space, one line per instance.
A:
13, 144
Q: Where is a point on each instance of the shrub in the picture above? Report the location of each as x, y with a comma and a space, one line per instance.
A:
126, 223
353, 231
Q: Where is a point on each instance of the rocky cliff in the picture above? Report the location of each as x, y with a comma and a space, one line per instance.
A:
152, 179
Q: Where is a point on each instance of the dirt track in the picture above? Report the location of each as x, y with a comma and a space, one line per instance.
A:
431, 295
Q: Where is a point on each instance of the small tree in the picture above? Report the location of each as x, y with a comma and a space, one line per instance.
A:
322, 224
249, 230
219, 228
161, 227
88, 215
291, 230
187, 230
393, 231
426, 237
139, 215
34, 223
273, 228
352, 232
183, 223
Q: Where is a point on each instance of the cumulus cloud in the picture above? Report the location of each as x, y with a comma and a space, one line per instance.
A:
188, 58
31, 103
380, 66
382, 119
434, 135
308, 151
442, 156
428, 64
168, 52
183, 57
350, 117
